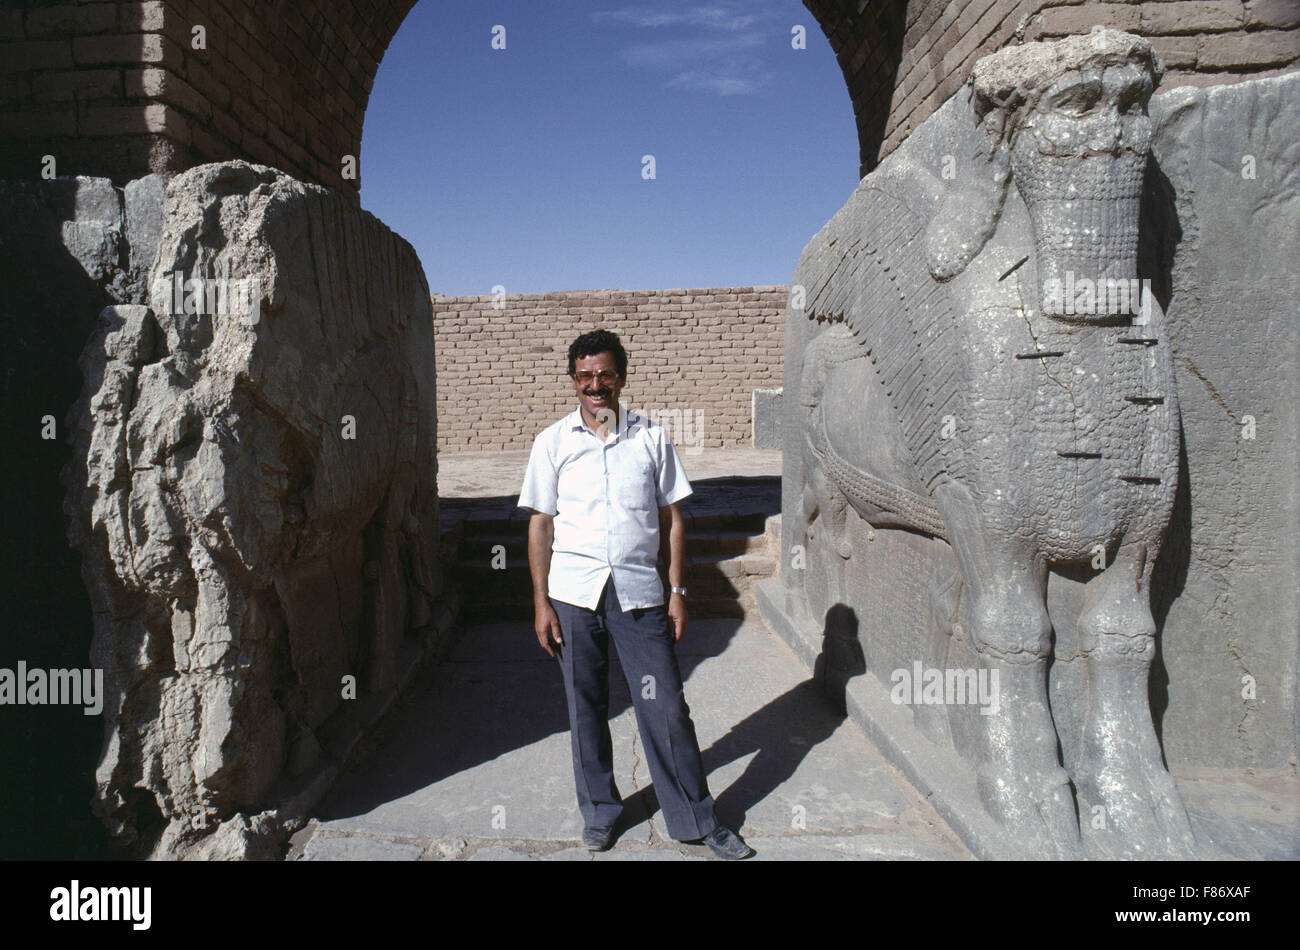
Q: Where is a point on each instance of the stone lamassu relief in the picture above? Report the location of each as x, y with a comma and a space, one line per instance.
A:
976, 366
254, 500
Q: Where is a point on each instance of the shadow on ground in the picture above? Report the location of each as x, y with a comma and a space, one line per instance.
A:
496, 691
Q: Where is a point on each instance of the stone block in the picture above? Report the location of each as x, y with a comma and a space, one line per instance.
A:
1191, 16
766, 415
1199, 217
1063, 21
89, 211
50, 122
1176, 52
71, 19
285, 526
143, 17
1228, 153
84, 83
35, 54
1237, 50
165, 86
130, 48
1282, 14
103, 120
143, 199
358, 848
206, 83
1177, 78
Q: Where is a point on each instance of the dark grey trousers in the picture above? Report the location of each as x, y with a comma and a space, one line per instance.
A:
645, 648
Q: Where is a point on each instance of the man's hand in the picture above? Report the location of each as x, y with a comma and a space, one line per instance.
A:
672, 553
541, 534
677, 615
547, 627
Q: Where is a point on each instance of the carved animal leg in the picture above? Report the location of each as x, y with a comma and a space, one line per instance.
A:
1020, 778
1021, 781
1120, 770
817, 581
814, 481
823, 497
837, 512
808, 511
936, 722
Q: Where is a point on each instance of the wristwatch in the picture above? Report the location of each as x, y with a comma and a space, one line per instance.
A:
678, 590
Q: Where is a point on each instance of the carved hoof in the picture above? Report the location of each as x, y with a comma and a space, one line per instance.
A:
1135, 812
1036, 808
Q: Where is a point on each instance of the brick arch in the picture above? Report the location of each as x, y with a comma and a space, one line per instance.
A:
117, 89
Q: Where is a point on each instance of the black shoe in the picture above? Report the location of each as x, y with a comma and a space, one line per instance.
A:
597, 839
726, 844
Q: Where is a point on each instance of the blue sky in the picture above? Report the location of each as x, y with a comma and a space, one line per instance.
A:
523, 167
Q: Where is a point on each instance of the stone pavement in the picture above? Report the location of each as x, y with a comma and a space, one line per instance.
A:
475, 765
475, 762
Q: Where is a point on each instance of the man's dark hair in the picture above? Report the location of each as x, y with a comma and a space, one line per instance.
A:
598, 341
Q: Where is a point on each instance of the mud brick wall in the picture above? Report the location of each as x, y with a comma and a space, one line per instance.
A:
696, 355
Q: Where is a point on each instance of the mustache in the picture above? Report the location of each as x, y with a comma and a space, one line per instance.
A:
596, 393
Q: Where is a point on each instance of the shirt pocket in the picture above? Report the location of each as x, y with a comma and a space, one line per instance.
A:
635, 486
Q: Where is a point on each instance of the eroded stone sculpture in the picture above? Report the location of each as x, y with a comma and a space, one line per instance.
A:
257, 508
975, 366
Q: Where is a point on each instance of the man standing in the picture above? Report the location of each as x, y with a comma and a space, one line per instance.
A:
603, 485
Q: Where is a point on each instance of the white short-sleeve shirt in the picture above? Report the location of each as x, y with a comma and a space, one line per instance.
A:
605, 498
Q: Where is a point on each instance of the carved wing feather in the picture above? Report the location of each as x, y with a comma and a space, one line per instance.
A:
869, 270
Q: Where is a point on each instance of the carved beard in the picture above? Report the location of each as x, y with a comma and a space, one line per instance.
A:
1084, 209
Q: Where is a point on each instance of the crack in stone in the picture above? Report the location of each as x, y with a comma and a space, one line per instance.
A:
1214, 393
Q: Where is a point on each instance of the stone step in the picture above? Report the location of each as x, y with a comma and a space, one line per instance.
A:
480, 573
522, 610
495, 521
741, 552
715, 586
476, 543
729, 546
